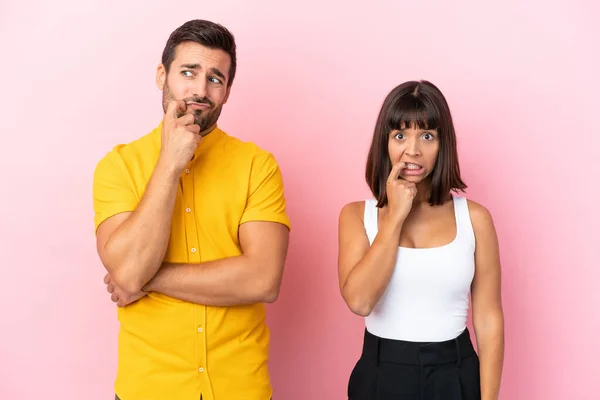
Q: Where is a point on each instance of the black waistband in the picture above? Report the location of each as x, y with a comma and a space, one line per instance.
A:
376, 349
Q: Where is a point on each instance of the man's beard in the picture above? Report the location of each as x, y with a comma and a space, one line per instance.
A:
203, 118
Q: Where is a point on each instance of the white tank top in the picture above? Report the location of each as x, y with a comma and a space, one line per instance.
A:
427, 298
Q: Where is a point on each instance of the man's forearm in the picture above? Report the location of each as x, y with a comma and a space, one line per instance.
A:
226, 282
490, 342
136, 249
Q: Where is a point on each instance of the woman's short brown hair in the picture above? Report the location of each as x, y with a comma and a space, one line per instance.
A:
420, 105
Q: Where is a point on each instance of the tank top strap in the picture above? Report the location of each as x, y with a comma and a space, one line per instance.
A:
370, 219
464, 226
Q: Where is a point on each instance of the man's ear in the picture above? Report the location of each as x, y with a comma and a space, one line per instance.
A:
227, 95
161, 76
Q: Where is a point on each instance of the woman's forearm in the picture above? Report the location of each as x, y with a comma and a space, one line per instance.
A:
490, 345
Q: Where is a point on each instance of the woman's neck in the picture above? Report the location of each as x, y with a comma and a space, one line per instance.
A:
423, 193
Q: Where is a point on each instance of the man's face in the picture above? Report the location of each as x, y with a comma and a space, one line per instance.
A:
198, 75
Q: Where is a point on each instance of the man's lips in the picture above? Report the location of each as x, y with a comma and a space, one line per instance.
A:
198, 106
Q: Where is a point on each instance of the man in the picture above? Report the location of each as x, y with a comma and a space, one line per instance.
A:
191, 226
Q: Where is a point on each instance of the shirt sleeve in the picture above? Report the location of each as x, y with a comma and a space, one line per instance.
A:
112, 192
266, 199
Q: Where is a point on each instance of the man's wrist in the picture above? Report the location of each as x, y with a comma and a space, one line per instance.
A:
166, 170
147, 288
151, 285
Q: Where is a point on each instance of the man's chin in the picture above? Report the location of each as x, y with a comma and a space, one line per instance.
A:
205, 126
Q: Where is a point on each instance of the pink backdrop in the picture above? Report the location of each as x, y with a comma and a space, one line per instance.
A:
522, 82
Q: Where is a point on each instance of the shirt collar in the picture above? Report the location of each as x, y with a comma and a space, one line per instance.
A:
208, 141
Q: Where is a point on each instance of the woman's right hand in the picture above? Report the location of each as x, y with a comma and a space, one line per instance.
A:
400, 194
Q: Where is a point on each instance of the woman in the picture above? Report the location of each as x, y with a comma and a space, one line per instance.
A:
410, 259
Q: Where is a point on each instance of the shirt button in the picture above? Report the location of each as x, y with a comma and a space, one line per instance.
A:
193, 249
187, 171
200, 369
188, 209
200, 330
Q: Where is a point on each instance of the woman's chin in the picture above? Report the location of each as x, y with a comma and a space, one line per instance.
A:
414, 178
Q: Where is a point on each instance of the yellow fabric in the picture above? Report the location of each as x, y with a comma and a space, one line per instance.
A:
171, 349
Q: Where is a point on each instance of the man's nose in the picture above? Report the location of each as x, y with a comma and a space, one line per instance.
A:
200, 88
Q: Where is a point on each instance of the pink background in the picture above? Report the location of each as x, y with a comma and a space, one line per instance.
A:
522, 82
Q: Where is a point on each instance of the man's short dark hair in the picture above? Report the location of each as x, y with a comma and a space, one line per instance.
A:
205, 33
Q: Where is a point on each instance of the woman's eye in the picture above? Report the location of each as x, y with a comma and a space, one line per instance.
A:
428, 136
399, 136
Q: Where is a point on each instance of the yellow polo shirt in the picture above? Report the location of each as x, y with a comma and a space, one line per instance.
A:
171, 349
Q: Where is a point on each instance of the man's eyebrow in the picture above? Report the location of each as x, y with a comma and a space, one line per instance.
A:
190, 66
218, 73
215, 71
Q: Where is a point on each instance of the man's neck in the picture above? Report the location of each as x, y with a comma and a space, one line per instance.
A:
209, 130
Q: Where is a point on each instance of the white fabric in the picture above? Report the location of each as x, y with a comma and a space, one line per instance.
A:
427, 298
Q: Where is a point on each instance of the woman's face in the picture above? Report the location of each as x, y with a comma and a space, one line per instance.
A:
417, 148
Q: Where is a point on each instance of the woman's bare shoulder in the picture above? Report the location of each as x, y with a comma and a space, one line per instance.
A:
355, 209
480, 216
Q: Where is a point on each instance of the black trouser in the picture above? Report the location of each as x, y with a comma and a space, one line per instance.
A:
395, 369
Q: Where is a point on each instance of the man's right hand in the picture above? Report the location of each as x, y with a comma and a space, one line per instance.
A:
180, 137
120, 296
